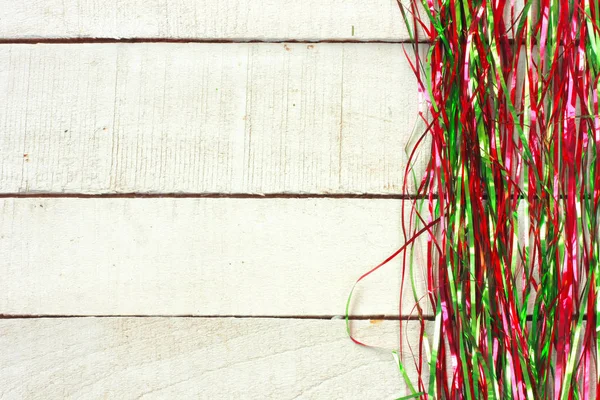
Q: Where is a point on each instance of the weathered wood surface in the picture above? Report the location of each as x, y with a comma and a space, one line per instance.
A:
204, 19
158, 358
165, 256
201, 118
206, 118
210, 20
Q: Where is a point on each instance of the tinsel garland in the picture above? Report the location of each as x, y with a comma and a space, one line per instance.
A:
509, 202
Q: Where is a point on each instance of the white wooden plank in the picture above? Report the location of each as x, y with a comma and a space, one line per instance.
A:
237, 20
228, 118
164, 256
203, 19
158, 358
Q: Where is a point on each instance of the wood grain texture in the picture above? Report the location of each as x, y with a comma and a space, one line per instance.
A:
203, 19
210, 20
206, 118
71, 256
158, 358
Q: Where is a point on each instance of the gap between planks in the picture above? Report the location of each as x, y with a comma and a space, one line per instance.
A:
104, 40
215, 195
427, 318
107, 40
135, 195
310, 317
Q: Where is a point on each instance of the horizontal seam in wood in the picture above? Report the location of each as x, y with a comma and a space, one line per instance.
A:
100, 40
216, 195
199, 316
313, 317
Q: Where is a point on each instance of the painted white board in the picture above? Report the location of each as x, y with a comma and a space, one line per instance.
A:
165, 256
158, 358
203, 19
206, 20
206, 118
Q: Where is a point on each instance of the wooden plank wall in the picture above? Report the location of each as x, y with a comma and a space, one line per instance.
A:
189, 189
